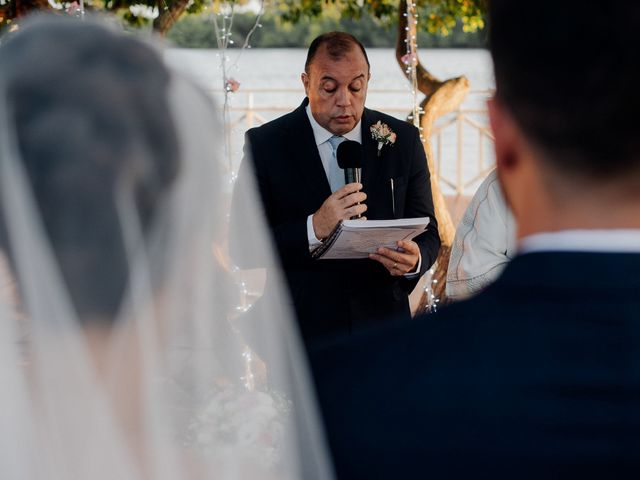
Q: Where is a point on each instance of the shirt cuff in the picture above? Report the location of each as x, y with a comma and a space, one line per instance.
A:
311, 235
417, 270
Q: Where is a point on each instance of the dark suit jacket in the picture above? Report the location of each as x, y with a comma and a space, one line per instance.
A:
537, 377
334, 297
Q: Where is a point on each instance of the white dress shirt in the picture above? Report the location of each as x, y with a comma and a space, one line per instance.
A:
485, 242
322, 136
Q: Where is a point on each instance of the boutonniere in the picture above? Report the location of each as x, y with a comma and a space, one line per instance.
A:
382, 134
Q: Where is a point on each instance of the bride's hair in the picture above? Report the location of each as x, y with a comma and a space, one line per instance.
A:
91, 115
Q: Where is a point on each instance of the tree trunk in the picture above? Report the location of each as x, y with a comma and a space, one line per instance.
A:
442, 97
169, 15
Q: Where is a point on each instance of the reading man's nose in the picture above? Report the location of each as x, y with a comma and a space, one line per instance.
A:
343, 97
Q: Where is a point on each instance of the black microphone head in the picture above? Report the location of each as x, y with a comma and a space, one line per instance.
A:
349, 154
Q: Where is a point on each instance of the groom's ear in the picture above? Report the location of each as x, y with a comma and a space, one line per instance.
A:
305, 81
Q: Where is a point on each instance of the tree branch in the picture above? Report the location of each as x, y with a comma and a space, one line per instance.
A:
169, 15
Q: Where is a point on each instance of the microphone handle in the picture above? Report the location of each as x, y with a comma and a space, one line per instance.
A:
353, 175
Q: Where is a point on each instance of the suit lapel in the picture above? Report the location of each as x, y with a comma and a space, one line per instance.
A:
371, 163
377, 171
305, 156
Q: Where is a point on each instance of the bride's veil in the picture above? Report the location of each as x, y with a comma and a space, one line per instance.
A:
124, 359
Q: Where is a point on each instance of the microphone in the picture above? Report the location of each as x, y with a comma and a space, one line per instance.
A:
349, 156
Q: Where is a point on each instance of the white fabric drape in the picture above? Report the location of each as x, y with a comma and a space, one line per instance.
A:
171, 389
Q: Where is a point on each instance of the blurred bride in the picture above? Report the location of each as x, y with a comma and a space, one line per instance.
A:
113, 199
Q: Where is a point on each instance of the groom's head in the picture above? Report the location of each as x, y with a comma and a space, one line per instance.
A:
565, 113
335, 80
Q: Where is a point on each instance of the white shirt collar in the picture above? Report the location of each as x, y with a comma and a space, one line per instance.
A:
321, 134
619, 240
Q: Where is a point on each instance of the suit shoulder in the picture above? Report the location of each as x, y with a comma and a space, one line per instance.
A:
397, 125
275, 127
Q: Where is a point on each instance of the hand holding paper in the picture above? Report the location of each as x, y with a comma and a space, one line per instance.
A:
359, 238
400, 261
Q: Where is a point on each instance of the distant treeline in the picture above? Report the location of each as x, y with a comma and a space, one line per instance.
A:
197, 31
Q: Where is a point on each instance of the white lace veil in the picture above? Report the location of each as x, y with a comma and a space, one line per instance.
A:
168, 386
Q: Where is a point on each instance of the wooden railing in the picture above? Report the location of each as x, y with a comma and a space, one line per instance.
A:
461, 141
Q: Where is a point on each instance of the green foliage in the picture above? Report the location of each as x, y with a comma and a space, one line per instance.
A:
193, 31
441, 16
287, 17
11, 10
434, 16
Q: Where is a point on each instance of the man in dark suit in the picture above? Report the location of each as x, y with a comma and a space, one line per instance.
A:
304, 195
539, 375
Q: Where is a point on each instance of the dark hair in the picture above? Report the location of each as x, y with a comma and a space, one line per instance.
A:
338, 45
91, 113
569, 74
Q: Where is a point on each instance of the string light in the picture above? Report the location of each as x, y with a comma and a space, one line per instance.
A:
410, 60
223, 27
223, 24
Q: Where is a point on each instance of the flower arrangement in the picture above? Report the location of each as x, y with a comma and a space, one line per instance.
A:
382, 134
74, 9
250, 421
231, 85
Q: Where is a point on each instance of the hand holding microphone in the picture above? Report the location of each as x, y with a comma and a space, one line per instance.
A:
346, 202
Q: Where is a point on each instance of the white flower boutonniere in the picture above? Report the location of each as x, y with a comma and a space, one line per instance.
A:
382, 134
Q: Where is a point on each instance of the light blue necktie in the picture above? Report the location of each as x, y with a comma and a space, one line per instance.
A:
336, 174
